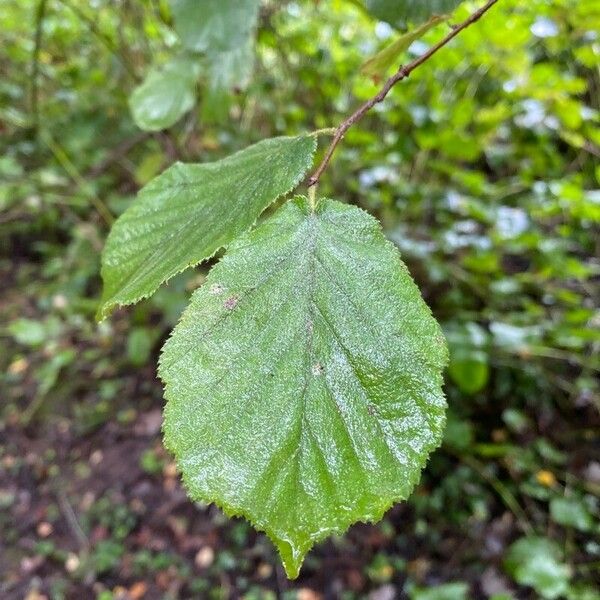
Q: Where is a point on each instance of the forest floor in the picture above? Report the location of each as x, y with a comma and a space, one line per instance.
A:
87, 513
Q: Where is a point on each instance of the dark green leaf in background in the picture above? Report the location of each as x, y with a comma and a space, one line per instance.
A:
537, 562
28, 332
214, 25
469, 361
223, 31
447, 591
572, 512
401, 12
139, 345
190, 211
167, 93
303, 383
226, 71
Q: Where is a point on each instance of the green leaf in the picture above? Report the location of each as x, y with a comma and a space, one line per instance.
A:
583, 591
571, 512
401, 12
139, 345
458, 434
378, 65
469, 367
223, 31
470, 371
190, 211
214, 25
536, 562
48, 372
226, 71
303, 382
28, 332
165, 95
447, 591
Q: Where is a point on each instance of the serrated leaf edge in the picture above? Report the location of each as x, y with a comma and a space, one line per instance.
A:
108, 306
285, 547
292, 558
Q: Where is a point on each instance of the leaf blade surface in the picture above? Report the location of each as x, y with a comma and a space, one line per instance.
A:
187, 213
303, 382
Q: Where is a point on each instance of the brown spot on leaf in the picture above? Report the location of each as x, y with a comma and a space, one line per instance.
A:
231, 302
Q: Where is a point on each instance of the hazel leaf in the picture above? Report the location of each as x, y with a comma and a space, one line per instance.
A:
190, 211
303, 382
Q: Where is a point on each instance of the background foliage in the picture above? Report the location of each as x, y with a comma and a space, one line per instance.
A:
484, 169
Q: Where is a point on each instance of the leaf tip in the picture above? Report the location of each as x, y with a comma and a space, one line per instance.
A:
292, 555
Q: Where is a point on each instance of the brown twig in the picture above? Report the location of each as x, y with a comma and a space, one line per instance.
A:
402, 73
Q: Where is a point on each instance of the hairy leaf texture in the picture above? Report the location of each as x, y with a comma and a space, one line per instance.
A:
303, 383
191, 210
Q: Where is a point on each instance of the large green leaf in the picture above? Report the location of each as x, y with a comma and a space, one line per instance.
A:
401, 12
304, 380
165, 95
190, 211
